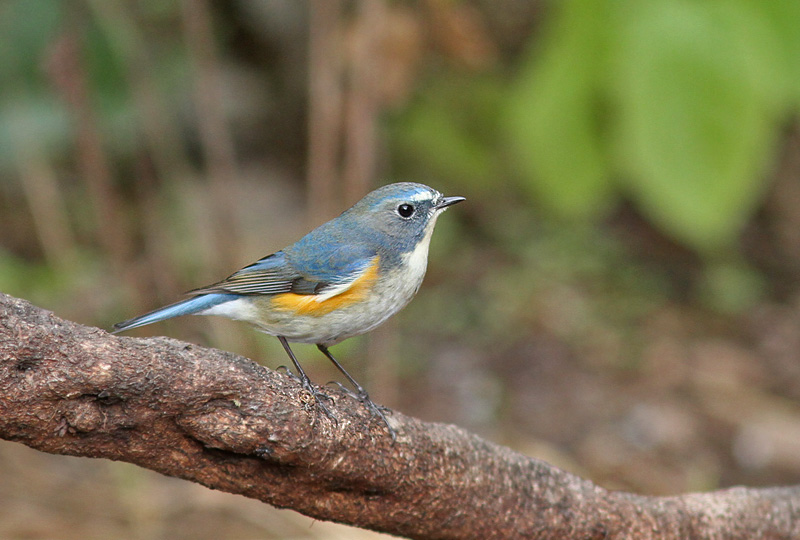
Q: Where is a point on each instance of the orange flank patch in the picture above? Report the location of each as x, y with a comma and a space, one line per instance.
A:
310, 304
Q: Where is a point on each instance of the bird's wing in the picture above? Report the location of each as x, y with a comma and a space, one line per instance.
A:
296, 272
270, 275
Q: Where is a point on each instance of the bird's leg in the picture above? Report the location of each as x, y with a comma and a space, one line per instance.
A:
361, 393
305, 381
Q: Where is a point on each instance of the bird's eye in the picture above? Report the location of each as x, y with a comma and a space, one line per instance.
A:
405, 210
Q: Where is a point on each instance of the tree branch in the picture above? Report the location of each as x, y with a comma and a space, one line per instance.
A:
225, 422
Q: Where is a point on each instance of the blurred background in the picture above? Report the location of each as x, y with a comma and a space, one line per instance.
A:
620, 295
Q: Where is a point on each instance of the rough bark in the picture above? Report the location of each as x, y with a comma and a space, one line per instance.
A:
225, 422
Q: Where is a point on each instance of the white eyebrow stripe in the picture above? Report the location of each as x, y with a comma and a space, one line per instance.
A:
422, 196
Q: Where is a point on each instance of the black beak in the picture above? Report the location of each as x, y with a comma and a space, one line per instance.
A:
444, 202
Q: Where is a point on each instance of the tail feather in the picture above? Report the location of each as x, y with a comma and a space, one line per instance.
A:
190, 306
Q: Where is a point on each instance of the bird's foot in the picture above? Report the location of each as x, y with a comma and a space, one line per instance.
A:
319, 398
375, 410
315, 392
288, 372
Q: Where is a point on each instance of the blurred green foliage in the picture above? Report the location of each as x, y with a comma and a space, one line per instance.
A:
27, 27
554, 114
452, 131
27, 109
674, 104
110, 43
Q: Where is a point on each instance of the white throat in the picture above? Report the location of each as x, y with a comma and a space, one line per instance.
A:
417, 260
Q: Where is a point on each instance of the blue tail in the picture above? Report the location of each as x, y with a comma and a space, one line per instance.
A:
189, 306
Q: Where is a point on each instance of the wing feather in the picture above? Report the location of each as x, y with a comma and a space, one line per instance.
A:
271, 275
281, 273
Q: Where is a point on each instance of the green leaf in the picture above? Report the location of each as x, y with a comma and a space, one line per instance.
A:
553, 118
783, 18
698, 95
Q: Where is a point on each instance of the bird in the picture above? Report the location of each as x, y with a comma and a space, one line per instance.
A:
342, 279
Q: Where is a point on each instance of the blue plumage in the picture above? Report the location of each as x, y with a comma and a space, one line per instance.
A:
185, 307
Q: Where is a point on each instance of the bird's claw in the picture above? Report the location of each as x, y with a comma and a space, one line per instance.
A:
319, 396
346, 390
288, 372
309, 387
375, 410
378, 410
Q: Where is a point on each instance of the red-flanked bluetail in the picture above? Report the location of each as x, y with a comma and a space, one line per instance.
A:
342, 279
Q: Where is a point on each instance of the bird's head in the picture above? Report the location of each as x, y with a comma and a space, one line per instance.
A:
403, 213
